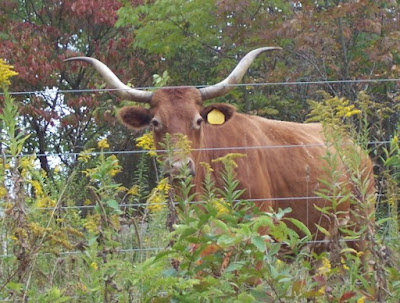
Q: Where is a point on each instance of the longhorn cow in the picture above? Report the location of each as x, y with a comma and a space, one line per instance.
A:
284, 160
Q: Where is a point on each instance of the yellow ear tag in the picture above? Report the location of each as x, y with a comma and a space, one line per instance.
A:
215, 117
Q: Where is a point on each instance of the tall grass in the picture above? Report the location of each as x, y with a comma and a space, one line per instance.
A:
203, 252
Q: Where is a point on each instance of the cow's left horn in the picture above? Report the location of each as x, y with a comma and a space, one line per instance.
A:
235, 77
124, 91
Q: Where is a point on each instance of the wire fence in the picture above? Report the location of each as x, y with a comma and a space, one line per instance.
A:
141, 250
132, 205
317, 82
156, 249
136, 205
229, 148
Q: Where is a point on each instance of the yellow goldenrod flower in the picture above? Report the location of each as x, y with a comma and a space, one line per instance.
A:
74, 231
89, 171
94, 266
122, 188
352, 113
113, 158
43, 173
114, 167
26, 162
112, 172
158, 196
361, 300
85, 155
103, 144
92, 223
115, 222
20, 233
6, 72
147, 142
207, 167
134, 190
229, 159
321, 291
344, 264
156, 202
82, 287
3, 192
163, 185
38, 188
221, 206
45, 202
36, 229
325, 267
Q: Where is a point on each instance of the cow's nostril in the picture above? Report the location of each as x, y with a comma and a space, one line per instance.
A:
187, 163
191, 167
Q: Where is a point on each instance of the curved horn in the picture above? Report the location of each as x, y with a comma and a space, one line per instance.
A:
113, 81
235, 77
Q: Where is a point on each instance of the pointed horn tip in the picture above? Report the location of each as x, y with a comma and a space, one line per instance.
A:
87, 59
271, 48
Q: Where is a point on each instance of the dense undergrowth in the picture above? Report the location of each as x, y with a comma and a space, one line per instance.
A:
62, 241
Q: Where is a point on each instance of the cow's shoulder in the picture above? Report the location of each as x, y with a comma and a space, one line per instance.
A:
279, 132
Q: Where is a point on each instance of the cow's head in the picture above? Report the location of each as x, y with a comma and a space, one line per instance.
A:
176, 110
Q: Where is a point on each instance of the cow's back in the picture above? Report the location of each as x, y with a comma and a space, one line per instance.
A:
283, 167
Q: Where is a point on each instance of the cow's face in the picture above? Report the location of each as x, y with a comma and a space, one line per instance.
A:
176, 111
179, 110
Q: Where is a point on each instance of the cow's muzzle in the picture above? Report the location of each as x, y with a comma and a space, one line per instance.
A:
181, 167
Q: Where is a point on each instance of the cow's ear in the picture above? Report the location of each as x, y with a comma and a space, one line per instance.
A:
135, 117
218, 113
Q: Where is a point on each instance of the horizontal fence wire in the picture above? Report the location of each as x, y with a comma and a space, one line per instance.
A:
230, 148
94, 153
128, 205
156, 249
317, 82
148, 249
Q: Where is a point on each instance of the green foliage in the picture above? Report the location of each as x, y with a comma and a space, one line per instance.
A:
215, 251
167, 27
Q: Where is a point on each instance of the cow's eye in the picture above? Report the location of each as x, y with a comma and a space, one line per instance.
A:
197, 122
155, 123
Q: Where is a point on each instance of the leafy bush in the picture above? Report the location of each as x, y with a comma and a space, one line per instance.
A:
167, 246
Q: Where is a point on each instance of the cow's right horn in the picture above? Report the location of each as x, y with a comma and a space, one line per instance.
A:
113, 81
235, 77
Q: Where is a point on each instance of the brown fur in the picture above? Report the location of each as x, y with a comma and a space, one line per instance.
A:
287, 168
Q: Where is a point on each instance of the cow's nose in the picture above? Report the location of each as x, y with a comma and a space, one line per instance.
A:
178, 165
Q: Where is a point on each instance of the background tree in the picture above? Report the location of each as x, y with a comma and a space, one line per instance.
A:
322, 40
197, 42
36, 36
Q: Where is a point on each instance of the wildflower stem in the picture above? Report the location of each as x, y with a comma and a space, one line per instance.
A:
34, 254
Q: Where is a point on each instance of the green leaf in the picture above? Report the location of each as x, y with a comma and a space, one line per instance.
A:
259, 242
300, 225
226, 241
234, 266
245, 298
114, 206
383, 221
323, 230
219, 224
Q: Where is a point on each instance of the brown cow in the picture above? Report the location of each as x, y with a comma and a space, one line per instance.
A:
283, 159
